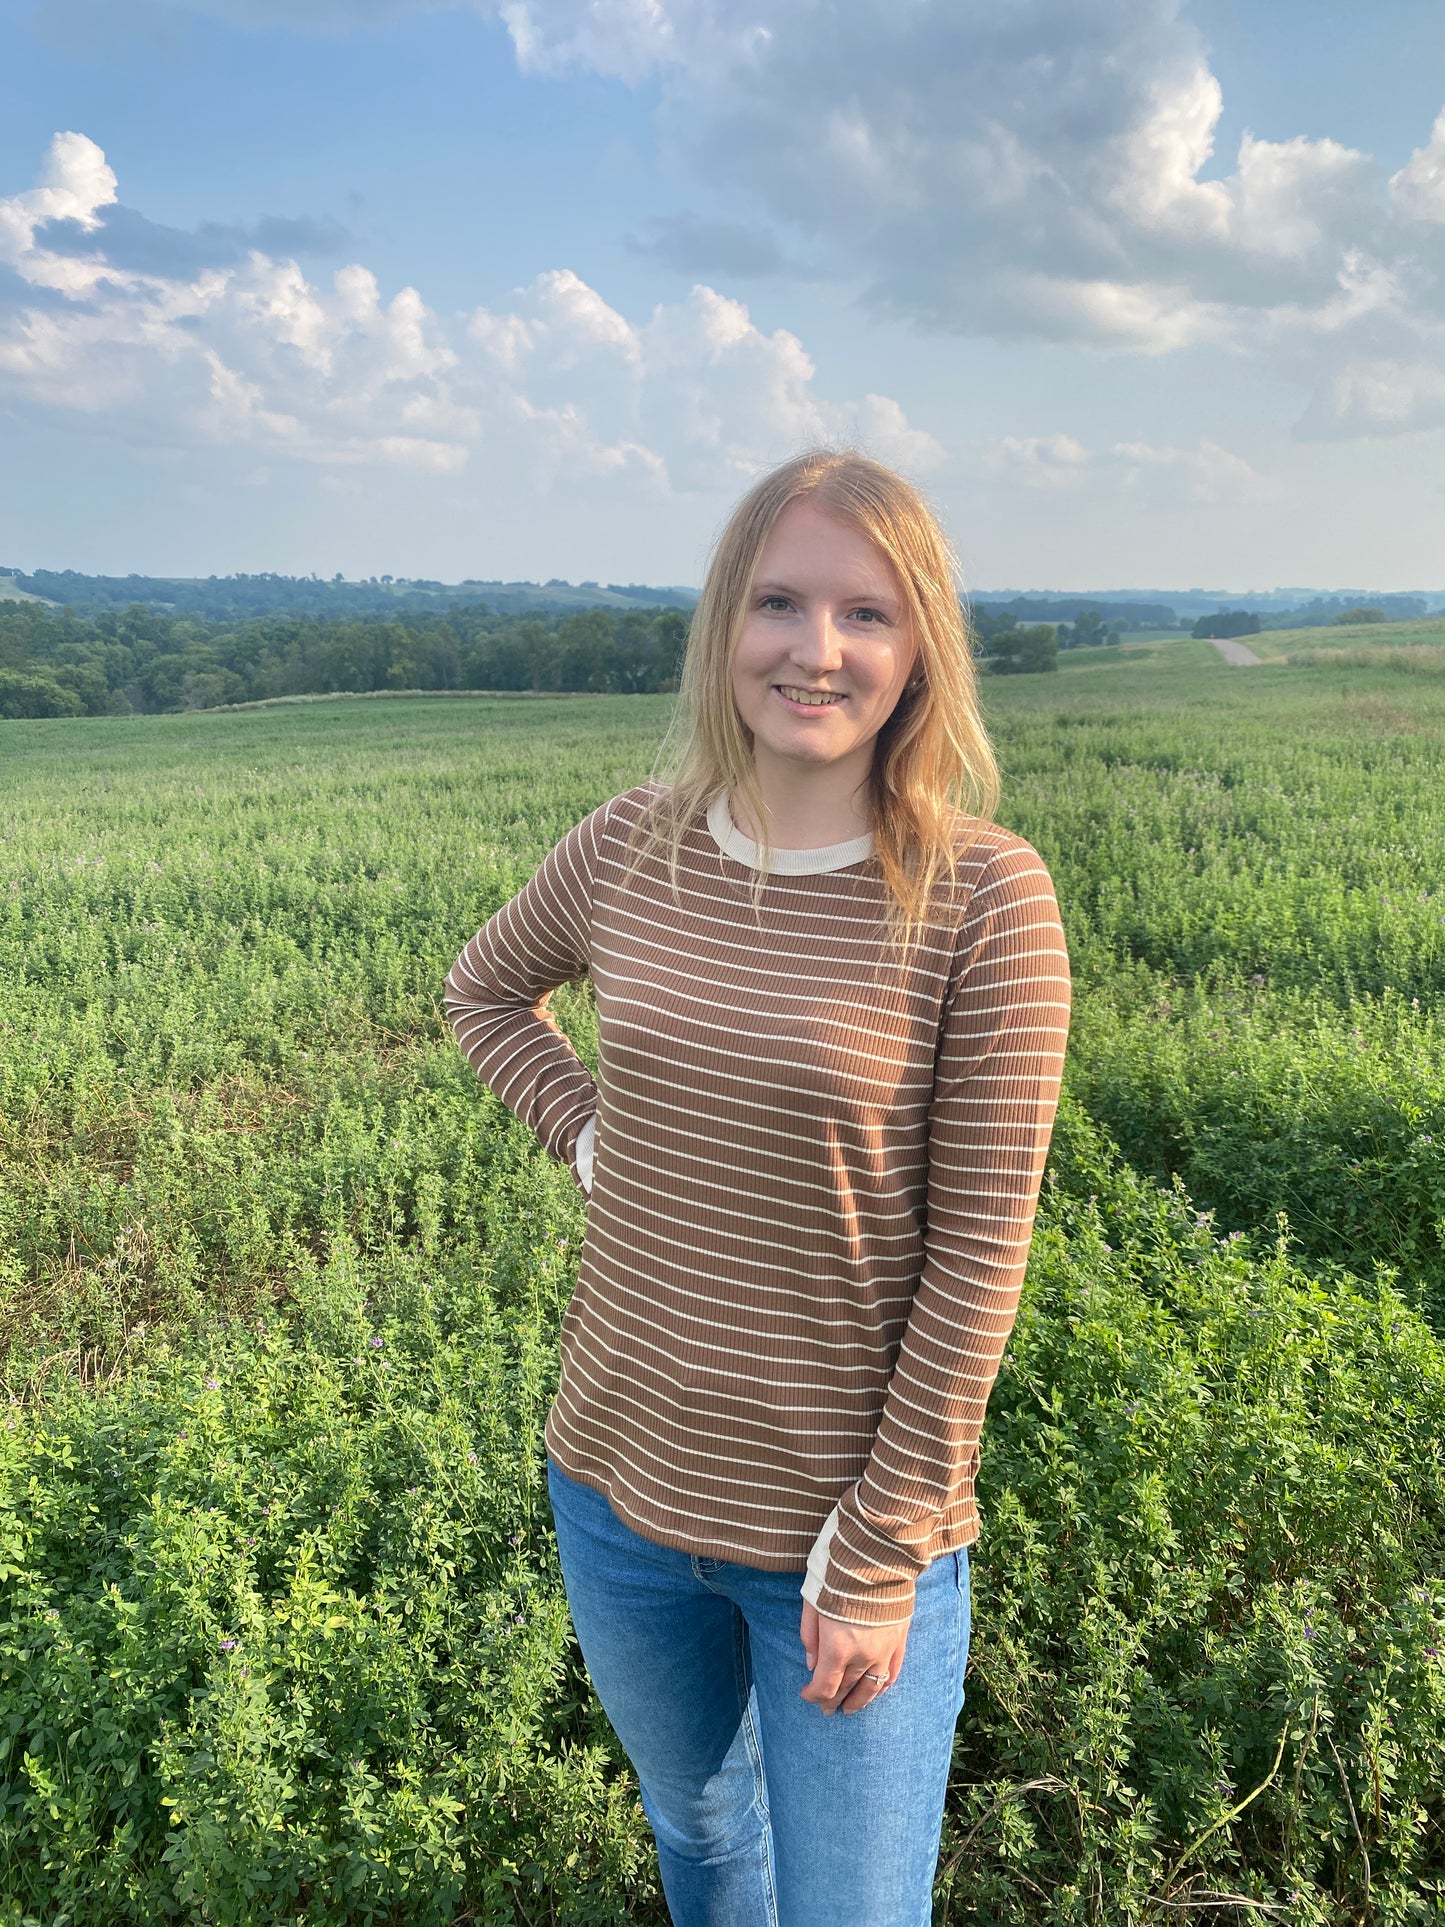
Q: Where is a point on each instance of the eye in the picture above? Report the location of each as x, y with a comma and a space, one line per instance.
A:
866, 614
774, 603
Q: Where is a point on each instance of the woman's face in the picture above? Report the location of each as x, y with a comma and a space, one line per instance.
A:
826, 645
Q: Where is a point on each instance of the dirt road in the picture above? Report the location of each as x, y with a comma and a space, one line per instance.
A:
1239, 653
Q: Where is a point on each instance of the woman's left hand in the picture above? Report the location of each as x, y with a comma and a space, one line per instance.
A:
841, 1655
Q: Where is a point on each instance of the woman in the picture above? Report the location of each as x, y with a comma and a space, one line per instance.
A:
832, 1000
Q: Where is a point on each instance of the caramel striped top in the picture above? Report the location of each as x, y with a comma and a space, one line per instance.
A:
813, 1174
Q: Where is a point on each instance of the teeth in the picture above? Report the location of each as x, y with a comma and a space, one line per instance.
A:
813, 697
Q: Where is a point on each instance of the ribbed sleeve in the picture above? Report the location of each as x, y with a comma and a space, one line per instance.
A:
996, 1090
497, 993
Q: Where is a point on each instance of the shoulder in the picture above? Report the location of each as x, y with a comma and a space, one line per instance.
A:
611, 838
994, 852
634, 805
987, 856
618, 815
999, 874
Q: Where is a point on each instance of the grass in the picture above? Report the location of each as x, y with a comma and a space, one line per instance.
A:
1301, 645
281, 1629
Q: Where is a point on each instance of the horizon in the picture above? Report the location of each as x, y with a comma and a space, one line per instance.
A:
1146, 593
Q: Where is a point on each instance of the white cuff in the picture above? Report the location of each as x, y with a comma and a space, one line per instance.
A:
582, 1153
818, 1564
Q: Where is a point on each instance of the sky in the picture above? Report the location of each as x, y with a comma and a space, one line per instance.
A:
1143, 293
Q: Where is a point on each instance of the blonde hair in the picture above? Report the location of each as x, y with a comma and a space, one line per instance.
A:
935, 779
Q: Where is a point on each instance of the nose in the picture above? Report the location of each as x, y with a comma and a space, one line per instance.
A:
817, 647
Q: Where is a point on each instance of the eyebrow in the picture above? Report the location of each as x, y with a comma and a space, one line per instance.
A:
885, 597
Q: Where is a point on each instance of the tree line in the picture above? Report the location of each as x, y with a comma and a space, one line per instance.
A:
66, 662
233, 598
60, 662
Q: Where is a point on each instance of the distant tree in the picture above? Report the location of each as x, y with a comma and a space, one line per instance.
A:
1024, 652
87, 681
209, 688
1352, 616
1088, 629
1227, 622
23, 697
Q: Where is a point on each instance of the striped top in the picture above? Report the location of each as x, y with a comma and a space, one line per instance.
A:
813, 1177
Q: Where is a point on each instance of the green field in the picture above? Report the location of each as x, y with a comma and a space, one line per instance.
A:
1417, 647
281, 1630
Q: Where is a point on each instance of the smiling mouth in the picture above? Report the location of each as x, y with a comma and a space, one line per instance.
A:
810, 698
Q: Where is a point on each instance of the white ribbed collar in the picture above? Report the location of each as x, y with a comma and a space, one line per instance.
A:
789, 863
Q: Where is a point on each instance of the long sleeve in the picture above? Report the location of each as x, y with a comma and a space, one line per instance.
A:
497, 993
996, 1089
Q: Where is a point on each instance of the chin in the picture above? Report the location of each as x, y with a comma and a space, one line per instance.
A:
809, 753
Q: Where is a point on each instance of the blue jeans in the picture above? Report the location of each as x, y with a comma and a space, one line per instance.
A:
766, 1811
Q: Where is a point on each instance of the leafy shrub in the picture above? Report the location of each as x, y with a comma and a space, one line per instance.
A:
1264, 1102
282, 1634
1210, 1592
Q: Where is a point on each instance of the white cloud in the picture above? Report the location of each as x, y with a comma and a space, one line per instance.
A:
1161, 470
256, 355
1208, 472
1418, 190
622, 38
1039, 461
1027, 172
1046, 172
1379, 397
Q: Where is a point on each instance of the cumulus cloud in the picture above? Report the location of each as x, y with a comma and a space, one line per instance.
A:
1418, 190
245, 349
1204, 473
1044, 172
1047, 172
1039, 461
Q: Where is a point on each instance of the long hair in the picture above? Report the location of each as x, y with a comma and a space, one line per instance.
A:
935, 780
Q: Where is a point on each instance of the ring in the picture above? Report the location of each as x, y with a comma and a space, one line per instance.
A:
881, 1678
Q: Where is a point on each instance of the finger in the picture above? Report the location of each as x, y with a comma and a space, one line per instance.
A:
867, 1689
854, 1683
829, 1689
829, 1686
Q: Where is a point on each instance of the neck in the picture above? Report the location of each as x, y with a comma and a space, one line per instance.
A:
810, 808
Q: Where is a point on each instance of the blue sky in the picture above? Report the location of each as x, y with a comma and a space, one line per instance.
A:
1144, 294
